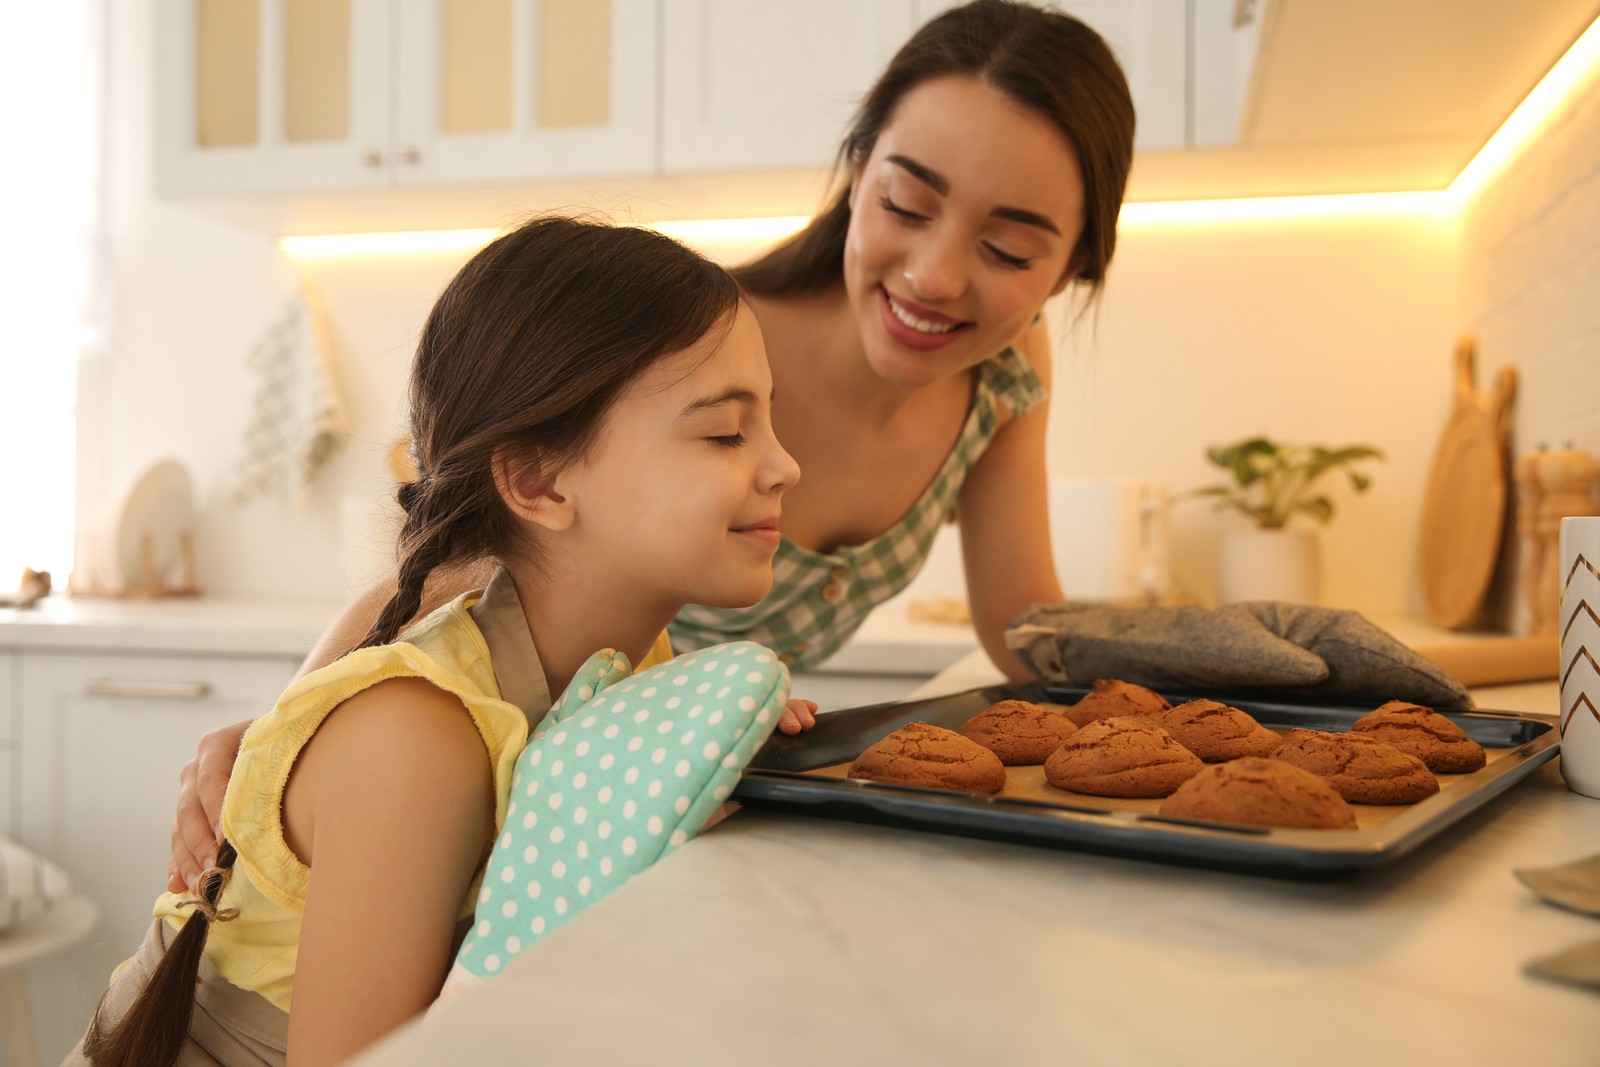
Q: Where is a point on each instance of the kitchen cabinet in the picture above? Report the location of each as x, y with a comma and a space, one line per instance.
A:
285, 96
1187, 62
104, 735
758, 83
288, 98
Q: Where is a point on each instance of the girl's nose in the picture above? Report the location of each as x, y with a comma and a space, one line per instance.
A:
780, 471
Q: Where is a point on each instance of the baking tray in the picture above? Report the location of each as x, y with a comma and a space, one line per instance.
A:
804, 774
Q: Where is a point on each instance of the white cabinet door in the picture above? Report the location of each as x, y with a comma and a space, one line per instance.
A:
1186, 62
768, 83
105, 736
290, 96
501, 90
270, 97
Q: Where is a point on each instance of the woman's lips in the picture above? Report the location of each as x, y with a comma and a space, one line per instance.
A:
915, 326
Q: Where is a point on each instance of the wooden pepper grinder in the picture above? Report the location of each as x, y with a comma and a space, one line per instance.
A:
1552, 484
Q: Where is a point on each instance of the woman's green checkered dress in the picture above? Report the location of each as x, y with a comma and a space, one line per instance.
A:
819, 600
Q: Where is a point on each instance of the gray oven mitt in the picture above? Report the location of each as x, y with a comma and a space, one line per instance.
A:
1266, 644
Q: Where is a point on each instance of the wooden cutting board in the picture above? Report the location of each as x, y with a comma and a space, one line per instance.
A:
1463, 512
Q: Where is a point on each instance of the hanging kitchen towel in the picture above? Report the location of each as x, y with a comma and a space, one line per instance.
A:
296, 419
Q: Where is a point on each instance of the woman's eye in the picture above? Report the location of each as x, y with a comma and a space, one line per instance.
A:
732, 440
899, 212
1019, 262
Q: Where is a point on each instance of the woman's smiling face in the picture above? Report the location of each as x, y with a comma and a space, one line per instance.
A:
962, 222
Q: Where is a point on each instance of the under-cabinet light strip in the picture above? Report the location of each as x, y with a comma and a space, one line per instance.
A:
1577, 66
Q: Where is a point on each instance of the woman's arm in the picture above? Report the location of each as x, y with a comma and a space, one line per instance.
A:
1005, 521
196, 832
392, 805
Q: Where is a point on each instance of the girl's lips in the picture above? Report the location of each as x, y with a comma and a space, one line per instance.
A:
927, 329
764, 532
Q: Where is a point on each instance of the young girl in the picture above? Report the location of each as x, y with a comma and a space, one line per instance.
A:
985, 172
590, 408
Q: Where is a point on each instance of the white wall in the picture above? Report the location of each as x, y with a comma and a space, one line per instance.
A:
1311, 331
1530, 280
1327, 331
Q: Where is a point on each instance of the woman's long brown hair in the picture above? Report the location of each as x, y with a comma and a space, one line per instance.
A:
524, 353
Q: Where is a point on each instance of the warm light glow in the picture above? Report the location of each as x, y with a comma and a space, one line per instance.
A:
700, 233
732, 231
1284, 209
1532, 116
384, 245
1522, 127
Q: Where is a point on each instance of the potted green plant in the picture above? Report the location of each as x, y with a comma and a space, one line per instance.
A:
1270, 482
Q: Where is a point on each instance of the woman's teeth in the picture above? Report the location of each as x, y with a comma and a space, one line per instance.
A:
920, 325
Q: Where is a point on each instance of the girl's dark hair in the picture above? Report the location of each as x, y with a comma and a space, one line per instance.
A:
152, 1031
523, 354
526, 351
1042, 59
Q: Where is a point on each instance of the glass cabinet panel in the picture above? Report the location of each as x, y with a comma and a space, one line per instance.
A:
574, 63
316, 105
227, 65
476, 66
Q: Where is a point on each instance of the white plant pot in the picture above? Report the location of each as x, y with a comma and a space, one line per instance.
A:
1269, 565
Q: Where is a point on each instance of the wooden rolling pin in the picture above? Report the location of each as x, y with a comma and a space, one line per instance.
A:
1497, 660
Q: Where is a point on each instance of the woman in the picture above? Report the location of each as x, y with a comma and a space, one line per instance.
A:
985, 172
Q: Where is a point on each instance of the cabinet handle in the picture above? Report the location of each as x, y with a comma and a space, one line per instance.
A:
108, 687
411, 155
372, 158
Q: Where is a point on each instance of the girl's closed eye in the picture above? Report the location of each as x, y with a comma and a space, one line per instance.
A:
730, 440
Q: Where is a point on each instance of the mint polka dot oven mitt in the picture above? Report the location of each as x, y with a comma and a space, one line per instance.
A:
623, 769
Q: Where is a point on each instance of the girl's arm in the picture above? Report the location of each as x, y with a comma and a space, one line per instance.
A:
1005, 523
392, 805
196, 832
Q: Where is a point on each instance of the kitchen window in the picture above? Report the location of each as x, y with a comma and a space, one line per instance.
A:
51, 261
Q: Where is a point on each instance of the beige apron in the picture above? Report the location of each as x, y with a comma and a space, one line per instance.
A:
230, 1026
233, 1027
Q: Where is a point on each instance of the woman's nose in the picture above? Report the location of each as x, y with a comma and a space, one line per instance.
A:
936, 269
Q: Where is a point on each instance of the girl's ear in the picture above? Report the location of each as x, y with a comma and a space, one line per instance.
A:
530, 494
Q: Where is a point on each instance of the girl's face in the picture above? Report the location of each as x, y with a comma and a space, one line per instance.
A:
681, 491
962, 222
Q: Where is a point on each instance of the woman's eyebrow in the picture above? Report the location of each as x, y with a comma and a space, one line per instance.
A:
941, 185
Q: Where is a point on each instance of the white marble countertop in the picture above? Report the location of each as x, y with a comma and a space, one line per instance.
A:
203, 625
784, 939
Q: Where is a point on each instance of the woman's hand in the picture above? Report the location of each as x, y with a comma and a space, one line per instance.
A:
800, 715
201, 785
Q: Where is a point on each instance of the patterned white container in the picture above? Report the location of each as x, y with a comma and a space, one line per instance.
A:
1579, 625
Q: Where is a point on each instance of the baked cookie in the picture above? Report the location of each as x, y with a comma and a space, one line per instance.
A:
931, 756
1425, 734
1261, 792
1216, 732
1111, 697
1124, 756
1363, 769
1019, 732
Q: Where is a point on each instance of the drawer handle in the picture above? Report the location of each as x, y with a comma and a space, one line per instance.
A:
106, 687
